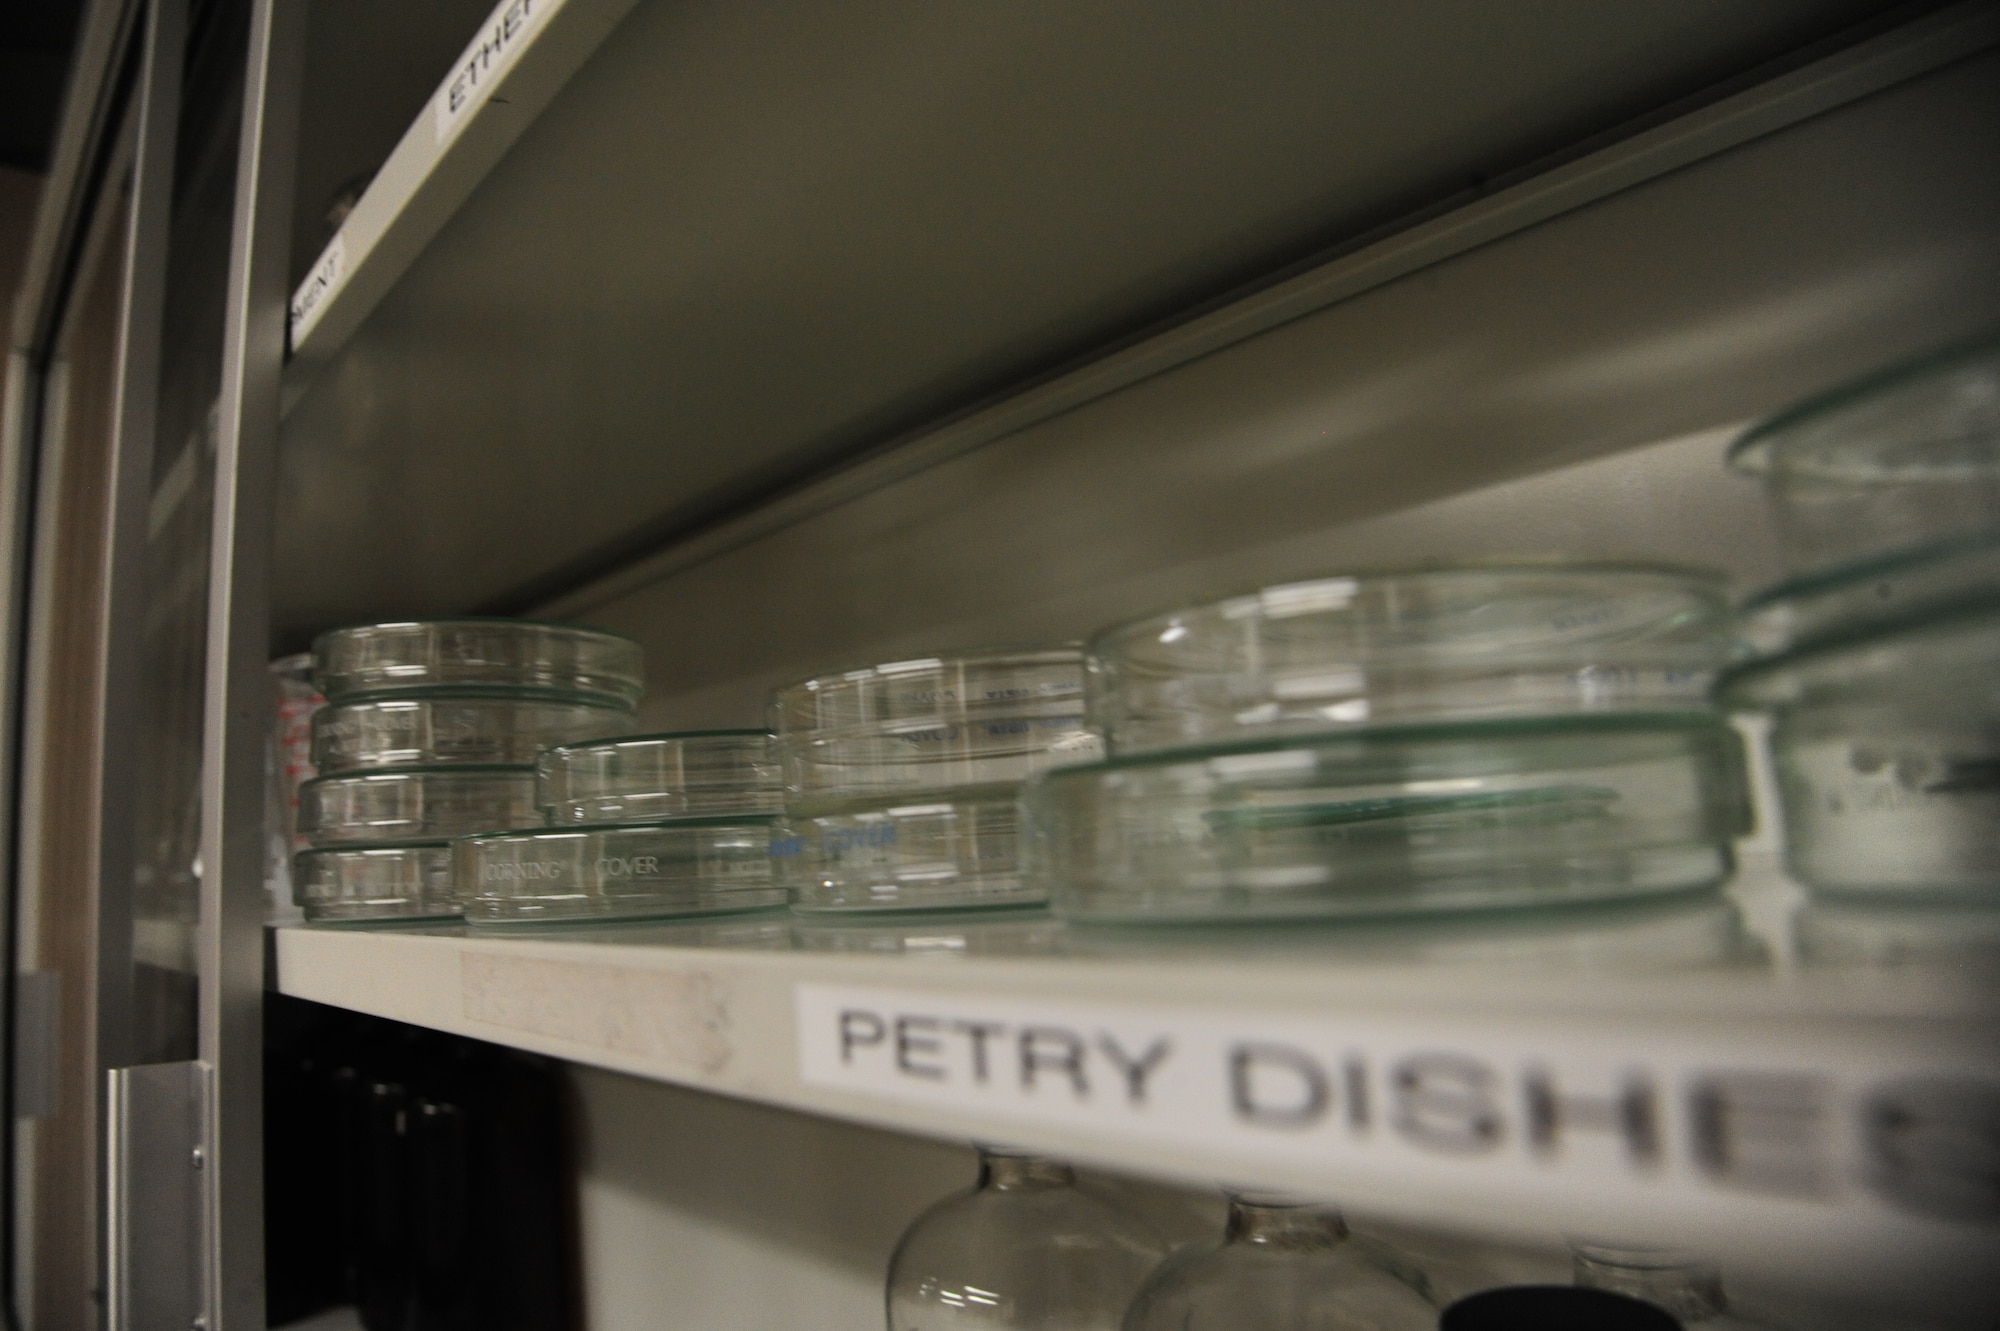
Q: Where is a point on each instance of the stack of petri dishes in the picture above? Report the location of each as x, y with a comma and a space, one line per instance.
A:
430, 732
901, 779
1875, 657
1401, 743
634, 827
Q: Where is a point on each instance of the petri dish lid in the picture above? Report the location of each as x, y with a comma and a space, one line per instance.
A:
1915, 655
1885, 590
1934, 419
457, 727
415, 803
1554, 1308
389, 863
484, 653
972, 687
1410, 647
635, 778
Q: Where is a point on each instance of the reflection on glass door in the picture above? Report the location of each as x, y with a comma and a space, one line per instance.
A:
57, 935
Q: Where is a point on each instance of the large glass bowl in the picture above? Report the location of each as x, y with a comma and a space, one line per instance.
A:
1887, 749
1895, 461
1892, 589
478, 653
1498, 815
1417, 646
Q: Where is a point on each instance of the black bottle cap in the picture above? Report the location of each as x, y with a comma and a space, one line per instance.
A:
1554, 1308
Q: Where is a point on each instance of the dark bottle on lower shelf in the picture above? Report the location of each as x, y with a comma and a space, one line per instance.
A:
1553, 1308
423, 1179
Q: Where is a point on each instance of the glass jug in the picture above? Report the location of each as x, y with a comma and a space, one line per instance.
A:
1284, 1265
1025, 1248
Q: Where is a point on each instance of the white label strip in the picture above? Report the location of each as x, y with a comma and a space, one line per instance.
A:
1551, 1110
320, 283
508, 30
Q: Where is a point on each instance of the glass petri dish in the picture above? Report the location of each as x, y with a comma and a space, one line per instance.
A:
641, 778
636, 871
1895, 461
1495, 816
415, 804
933, 723
1419, 646
1017, 932
766, 930
1884, 591
1899, 937
356, 883
922, 853
1886, 745
1698, 930
478, 653
458, 727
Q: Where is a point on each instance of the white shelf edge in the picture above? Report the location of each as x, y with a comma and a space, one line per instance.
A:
519, 59
763, 1026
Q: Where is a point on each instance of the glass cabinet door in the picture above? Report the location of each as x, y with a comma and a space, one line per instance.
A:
119, 439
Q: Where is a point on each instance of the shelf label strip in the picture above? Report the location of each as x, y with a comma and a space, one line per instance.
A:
1552, 1107
508, 31
320, 283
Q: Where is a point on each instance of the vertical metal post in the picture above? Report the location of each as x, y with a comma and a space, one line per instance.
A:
145, 1247
119, 685
236, 700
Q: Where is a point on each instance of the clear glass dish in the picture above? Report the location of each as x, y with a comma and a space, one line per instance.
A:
1946, 939
356, 883
637, 871
478, 653
916, 853
1023, 1250
1498, 815
1886, 746
1892, 462
1283, 1264
459, 727
642, 778
1419, 646
934, 723
1700, 930
415, 804
1892, 589
765, 930
1017, 932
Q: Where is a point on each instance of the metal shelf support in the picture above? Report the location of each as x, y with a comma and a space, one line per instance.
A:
230, 949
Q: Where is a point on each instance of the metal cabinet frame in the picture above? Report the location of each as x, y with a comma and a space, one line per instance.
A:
190, 1134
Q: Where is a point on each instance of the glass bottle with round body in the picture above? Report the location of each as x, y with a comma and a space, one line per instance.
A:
1685, 1284
1025, 1249
1283, 1265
